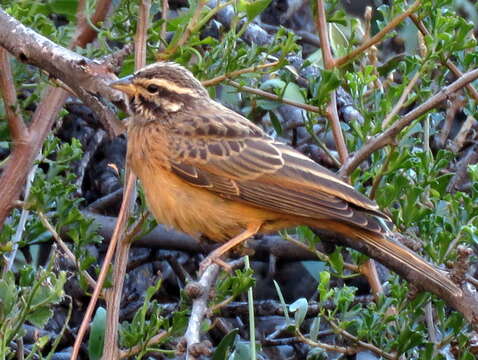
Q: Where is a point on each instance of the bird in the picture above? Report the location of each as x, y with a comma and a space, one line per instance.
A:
207, 170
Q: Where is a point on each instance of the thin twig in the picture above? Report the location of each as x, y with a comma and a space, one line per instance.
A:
234, 74
141, 34
329, 64
250, 306
387, 137
18, 129
369, 270
453, 68
361, 343
104, 269
328, 347
21, 223
379, 36
333, 117
402, 99
274, 97
44, 220
164, 17
136, 349
113, 297
430, 323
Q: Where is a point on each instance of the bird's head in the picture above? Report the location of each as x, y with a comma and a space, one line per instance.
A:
159, 90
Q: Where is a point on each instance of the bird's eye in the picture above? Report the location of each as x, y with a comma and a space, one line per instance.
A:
153, 89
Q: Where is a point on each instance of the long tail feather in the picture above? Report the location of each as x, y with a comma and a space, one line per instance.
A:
395, 256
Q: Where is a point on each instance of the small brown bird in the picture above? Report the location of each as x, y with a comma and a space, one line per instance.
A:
208, 170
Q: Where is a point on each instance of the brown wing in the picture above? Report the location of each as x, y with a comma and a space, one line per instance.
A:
229, 155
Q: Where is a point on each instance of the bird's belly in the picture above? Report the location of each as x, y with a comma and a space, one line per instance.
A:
195, 210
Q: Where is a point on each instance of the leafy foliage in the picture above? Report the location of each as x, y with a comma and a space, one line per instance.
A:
409, 178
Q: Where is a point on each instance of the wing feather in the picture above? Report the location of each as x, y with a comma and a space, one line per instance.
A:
234, 158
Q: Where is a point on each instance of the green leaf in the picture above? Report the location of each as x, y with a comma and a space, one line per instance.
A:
275, 123
337, 260
40, 316
323, 287
97, 334
225, 345
290, 91
180, 321
299, 308
8, 294
408, 339
253, 8
65, 7
282, 301
314, 329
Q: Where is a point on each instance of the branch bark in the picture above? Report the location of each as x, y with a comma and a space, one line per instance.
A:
329, 64
113, 296
82, 75
76, 71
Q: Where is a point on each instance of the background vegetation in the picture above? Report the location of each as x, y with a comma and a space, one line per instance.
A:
308, 296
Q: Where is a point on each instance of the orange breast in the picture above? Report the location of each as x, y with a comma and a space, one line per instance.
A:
190, 209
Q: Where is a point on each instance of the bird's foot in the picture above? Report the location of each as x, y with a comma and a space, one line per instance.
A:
216, 260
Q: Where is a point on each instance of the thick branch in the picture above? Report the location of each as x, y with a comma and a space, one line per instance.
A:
84, 76
21, 160
76, 71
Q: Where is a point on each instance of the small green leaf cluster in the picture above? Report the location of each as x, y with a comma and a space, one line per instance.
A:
150, 320
28, 298
230, 287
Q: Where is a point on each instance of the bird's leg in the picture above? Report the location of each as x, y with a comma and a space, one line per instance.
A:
214, 256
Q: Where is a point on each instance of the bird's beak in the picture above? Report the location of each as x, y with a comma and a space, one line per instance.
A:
125, 85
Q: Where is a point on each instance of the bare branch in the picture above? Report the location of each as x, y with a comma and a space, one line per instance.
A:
199, 308
104, 269
21, 160
76, 71
79, 73
113, 297
329, 64
85, 33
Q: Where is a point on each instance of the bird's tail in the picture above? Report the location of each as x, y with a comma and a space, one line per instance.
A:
396, 256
